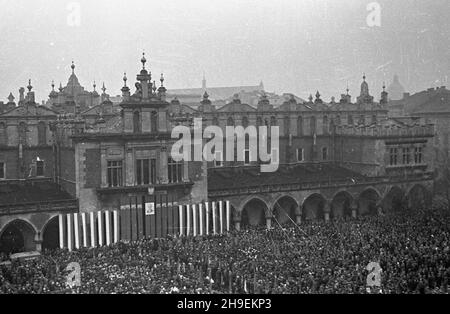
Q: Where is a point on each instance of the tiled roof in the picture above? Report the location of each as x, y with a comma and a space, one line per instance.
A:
226, 178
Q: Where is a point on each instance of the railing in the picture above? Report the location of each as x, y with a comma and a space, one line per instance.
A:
37, 207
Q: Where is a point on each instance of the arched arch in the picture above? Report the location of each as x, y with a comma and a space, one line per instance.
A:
395, 199
17, 236
313, 207
42, 133
284, 209
418, 197
254, 212
341, 205
368, 200
50, 234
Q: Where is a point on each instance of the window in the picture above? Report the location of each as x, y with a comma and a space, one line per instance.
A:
325, 125
39, 168
3, 134
300, 154
324, 153
154, 122
418, 155
2, 170
245, 122
393, 156
218, 159
406, 156
374, 119
230, 121
42, 133
145, 171
312, 125
362, 119
136, 122
350, 120
175, 171
300, 126
246, 156
338, 120
114, 173
286, 126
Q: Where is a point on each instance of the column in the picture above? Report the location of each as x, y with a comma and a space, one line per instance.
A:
354, 208
298, 216
180, 219
84, 227
327, 210
61, 231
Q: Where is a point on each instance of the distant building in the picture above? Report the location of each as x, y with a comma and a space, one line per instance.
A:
395, 89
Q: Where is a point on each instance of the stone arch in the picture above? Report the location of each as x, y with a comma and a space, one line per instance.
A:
314, 207
18, 236
368, 201
50, 234
341, 205
254, 212
418, 197
285, 209
394, 199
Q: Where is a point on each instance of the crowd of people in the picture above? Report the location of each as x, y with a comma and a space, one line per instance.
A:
412, 249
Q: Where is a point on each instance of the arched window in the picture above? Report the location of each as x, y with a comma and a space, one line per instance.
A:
136, 122
312, 125
300, 126
3, 135
332, 126
42, 133
230, 121
286, 126
245, 122
23, 133
325, 125
154, 122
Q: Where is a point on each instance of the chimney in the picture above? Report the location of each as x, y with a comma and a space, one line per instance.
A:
22, 94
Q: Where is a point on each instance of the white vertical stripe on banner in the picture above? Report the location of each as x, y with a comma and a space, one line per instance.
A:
100, 228
200, 214
207, 218
107, 226
84, 226
194, 219
76, 230
61, 231
180, 219
92, 220
188, 219
221, 216
214, 217
228, 215
69, 232
116, 226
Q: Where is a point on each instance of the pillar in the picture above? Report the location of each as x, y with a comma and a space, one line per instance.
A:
38, 242
354, 208
298, 215
327, 210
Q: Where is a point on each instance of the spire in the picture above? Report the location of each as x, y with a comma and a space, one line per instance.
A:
162, 80
310, 98
11, 98
73, 67
29, 87
53, 86
60, 87
347, 90
154, 87
104, 88
318, 100
94, 85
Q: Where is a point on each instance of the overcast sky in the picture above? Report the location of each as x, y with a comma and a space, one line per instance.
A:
297, 46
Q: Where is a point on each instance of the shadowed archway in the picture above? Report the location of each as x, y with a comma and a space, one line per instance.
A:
313, 207
254, 213
341, 205
18, 236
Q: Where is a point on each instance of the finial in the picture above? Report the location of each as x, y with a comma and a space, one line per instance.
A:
162, 79
94, 85
53, 86
29, 85
317, 95
347, 89
60, 87
103, 88
364, 77
384, 86
154, 87
205, 95
73, 67
125, 78
143, 60
310, 98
